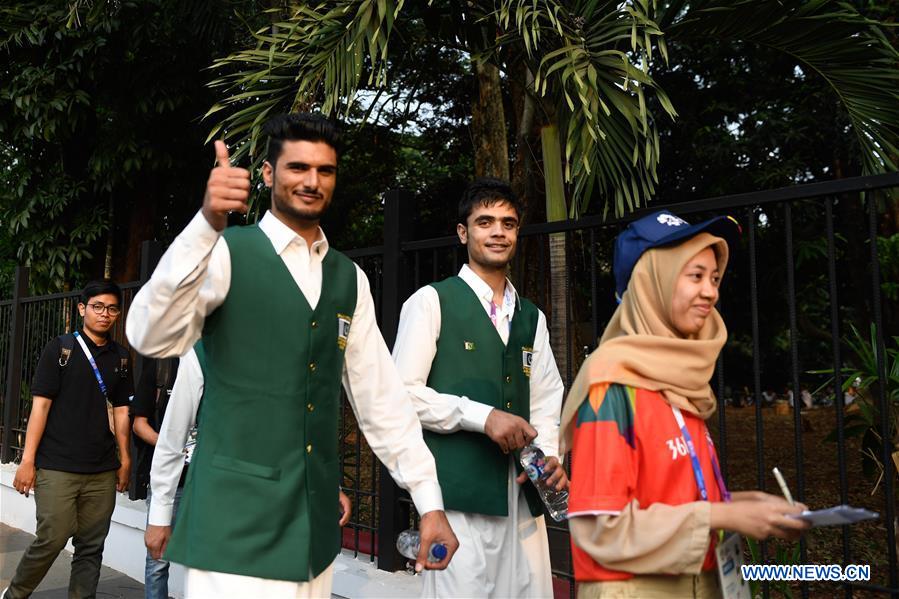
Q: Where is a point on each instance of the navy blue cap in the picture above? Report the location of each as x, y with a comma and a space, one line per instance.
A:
659, 229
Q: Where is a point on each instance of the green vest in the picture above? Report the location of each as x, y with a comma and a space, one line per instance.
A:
261, 493
472, 361
201, 356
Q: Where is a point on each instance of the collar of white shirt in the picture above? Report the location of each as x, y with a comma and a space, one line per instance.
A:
485, 293
282, 236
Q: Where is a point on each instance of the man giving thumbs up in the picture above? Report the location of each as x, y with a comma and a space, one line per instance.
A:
285, 320
227, 190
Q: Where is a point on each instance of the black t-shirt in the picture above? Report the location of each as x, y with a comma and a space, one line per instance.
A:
145, 396
157, 376
77, 436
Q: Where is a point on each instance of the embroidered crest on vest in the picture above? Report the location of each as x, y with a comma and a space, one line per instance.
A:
343, 330
469, 345
527, 356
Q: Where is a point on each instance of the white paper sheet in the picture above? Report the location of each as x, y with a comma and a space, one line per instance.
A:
836, 516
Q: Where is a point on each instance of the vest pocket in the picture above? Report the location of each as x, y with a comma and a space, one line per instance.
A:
248, 468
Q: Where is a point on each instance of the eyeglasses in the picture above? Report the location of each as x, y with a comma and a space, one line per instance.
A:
99, 308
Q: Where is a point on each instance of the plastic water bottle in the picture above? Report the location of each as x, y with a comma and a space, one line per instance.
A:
409, 543
533, 461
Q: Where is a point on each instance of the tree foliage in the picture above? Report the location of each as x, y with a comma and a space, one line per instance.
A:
589, 60
99, 134
847, 50
594, 65
100, 130
413, 135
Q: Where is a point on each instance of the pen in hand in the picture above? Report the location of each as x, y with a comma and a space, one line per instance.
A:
783, 485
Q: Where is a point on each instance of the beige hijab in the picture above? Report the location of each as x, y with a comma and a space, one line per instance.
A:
640, 347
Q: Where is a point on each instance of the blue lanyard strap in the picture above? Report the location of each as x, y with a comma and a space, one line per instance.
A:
694, 459
90, 358
725, 494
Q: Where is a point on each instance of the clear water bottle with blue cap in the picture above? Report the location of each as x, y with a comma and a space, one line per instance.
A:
409, 543
533, 460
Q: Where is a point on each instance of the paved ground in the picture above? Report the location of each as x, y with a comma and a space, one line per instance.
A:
13, 543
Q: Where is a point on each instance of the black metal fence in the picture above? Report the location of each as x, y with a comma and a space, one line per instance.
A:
811, 270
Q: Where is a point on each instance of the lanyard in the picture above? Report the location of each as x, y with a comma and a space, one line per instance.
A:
90, 358
694, 459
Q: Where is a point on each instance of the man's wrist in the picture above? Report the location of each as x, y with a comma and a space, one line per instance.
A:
474, 415
201, 226
149, 438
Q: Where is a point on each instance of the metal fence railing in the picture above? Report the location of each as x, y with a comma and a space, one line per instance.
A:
812, 268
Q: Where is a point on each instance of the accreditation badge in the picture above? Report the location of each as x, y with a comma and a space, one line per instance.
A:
527, 356
729, 553
190, 446
343, 330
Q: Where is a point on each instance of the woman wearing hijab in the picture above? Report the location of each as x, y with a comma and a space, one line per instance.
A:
647, 497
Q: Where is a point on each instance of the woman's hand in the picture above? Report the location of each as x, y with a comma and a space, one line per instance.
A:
760, 517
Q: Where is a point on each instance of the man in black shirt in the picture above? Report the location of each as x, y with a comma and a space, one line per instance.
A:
148, 409
70, 445
151, 396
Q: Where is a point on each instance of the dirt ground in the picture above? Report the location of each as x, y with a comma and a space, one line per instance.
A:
866, 541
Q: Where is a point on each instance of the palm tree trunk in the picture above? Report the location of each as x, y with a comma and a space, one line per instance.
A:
488, 123
526, 180
556, 210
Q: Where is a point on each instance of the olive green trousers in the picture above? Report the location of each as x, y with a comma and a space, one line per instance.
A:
69, 506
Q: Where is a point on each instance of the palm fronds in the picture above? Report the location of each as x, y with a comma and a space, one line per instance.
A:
846, 49
591, 61
316, 55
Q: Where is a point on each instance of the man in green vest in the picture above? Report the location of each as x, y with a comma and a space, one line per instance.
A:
477, 361
284, 320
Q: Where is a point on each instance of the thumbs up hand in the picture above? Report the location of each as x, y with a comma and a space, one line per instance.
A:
227, 190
